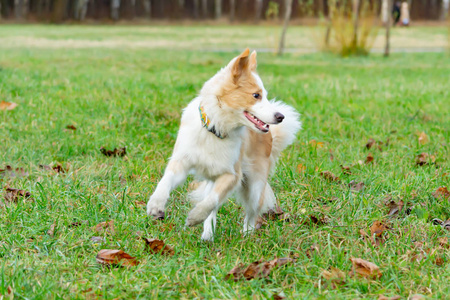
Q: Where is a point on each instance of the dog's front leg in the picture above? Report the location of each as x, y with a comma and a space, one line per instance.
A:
222, 186
175, 174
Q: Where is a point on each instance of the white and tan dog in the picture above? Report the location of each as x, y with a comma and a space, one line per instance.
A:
230, 137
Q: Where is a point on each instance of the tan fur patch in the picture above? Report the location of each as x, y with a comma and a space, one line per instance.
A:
237, 92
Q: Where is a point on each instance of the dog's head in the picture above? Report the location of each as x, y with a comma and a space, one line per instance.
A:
242, 93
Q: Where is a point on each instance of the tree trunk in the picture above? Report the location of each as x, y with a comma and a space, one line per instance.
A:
444, 10
232, 10
287, 16
147, 8
218, 9
81, 9
388, 31
385, 11
59, 11
355, 12
196, 9
258, 10
204, 9
19, 9
115, 6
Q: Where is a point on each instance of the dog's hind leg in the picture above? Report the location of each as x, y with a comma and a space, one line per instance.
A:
209, 226
174, 175
223, 185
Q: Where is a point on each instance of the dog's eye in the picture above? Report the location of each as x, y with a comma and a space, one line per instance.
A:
256, 96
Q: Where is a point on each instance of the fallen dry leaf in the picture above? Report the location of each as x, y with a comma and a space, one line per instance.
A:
370, 143
116, 258
71, 127
11, 172
12, 195
365, 268
394, 207
416, 297
335, 276
423, 138
369, 158
57, 168
438, 261
257, 269
378, 228
329, 176
279, 296
7, 105
301, 168
51, 231
116, 152
107, 226
382, 297
425, 159
441, 193
315, 143
443, 242
158, 247
356, 186
346, 170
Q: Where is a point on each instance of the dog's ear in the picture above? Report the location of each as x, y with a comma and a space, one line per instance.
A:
252, 61
240, 65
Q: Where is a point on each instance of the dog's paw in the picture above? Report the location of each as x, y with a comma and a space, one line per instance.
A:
196, 216
208, 236
155, 212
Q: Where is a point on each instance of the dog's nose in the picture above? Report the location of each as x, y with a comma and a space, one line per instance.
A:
279, 117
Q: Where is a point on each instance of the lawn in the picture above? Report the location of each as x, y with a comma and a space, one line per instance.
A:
133, 97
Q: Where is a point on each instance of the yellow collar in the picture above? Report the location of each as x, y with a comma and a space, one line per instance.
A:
206, 121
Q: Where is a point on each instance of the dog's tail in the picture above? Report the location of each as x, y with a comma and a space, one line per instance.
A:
283, 134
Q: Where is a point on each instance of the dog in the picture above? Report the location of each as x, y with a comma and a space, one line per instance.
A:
230, 138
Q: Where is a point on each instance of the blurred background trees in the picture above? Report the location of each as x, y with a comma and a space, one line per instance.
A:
235, 10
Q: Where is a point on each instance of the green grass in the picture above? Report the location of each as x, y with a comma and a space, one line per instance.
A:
134, 97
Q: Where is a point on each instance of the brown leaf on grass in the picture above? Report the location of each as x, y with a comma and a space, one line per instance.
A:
257, 269
313, 249
315, 143
423, 138
370, 143
301, 168
416, 297
11, 172
382, 297
378, 228
441, 193
116, 152
7, 105
57, 168
107, 226
425, 159
71, 127
369, 158
116, 258
365, 268
346, 170
13, 195
443, 242
51, 231
330, 176
438, 261
140, 203
158, 247
334, 276
356, 186
322, 220
394, 207
279, 296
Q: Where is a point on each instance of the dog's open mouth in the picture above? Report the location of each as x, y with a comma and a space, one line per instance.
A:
258, 123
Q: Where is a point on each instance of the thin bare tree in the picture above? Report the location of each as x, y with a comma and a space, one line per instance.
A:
258, 10
388, 32
20, 7
81, 7
355, 13
147, 8
204, 9
115, 6
287, 17
218, 9
444, 10
196, 5
232, 10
